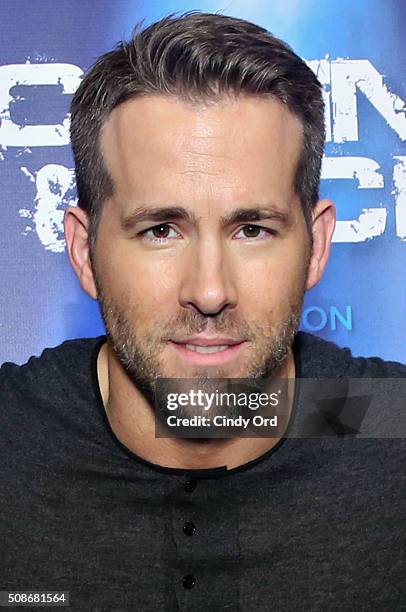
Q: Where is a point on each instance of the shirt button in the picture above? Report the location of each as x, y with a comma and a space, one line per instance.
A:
190, 485
188, 581
189, 528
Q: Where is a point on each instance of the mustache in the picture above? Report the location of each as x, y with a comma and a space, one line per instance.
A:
189, 323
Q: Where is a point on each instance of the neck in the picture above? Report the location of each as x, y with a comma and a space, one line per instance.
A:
131, 418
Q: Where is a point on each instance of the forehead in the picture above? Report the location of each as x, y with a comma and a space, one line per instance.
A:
162, 146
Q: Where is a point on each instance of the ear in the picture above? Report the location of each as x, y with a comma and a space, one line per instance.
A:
323, 225
76, 224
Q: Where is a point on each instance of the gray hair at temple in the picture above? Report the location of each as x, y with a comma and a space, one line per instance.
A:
196, 57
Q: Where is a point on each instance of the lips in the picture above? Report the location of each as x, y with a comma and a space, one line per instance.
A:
207, 341
204, 350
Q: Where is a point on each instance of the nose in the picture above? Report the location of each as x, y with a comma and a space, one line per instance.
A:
207, 283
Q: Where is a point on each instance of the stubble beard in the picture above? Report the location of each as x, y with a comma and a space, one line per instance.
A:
139, 355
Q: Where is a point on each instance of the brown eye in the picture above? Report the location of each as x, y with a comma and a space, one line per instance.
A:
251, 231
159, 234
161, 231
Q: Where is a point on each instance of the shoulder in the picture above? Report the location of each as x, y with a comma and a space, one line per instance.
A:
322, 358
59, 366
48, 411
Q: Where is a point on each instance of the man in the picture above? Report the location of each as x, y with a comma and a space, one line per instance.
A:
198, 148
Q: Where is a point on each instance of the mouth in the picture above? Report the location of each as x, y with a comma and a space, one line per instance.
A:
208, 351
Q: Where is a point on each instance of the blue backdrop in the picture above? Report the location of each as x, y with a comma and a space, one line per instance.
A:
358, 50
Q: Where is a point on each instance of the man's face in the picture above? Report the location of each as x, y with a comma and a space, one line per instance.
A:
168, 280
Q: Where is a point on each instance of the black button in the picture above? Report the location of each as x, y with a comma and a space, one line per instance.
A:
190, 485
188, 581
189, 528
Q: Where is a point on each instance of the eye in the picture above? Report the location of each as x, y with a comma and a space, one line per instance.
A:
254, 231
158, 233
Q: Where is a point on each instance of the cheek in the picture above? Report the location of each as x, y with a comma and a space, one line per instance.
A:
273, 278
132, 280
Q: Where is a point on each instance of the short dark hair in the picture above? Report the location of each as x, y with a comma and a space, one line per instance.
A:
194, 56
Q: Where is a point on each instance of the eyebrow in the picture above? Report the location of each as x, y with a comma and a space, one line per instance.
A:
179, 213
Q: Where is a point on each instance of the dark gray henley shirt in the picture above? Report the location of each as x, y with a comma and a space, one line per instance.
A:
314, 524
